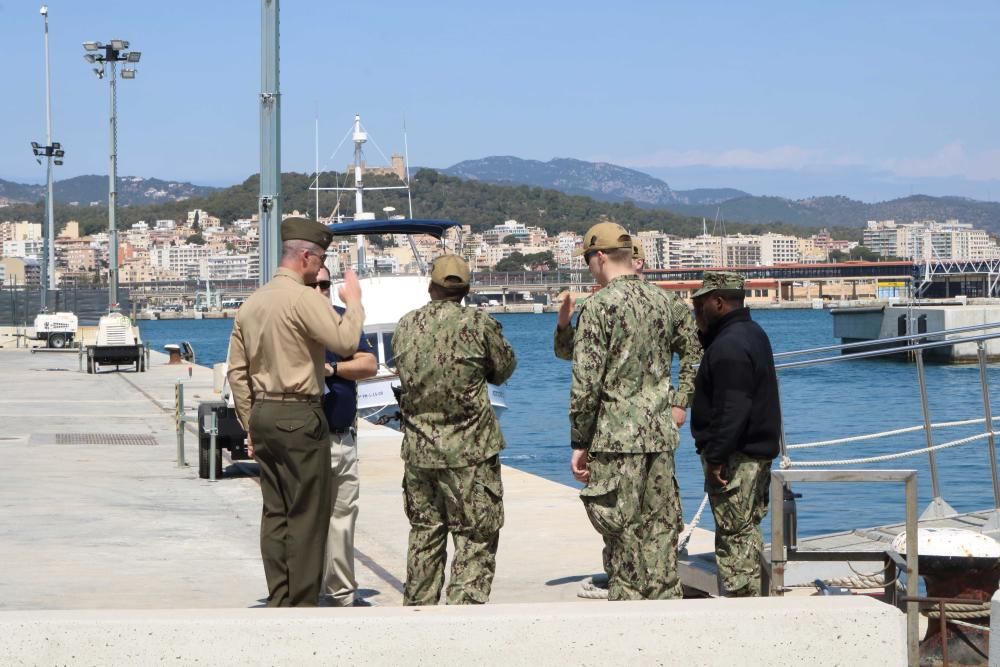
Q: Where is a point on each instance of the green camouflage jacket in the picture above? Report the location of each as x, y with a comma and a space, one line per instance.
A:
621, 395
563, 348
445, 354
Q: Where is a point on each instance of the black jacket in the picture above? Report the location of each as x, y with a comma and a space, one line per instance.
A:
736, 405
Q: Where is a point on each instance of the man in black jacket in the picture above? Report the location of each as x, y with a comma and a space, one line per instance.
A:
736, 425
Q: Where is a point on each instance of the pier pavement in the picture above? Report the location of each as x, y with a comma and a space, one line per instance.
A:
94, 524
112, 554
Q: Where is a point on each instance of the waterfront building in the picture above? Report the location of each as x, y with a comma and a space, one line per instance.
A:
20, 271
23, 248
182, 259
929, 240
229, 267
498, 233
71, 230
20, 231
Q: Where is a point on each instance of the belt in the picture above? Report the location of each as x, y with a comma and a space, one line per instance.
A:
295, 398
341, 431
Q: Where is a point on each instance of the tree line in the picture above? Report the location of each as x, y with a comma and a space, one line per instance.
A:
435, 196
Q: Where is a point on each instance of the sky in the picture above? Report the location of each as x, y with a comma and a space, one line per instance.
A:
795, 99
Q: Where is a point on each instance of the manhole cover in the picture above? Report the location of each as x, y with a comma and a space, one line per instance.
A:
104, 439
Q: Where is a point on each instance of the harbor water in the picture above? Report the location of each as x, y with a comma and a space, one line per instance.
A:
818, 403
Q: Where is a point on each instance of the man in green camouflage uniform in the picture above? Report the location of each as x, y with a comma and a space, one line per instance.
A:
679, 398
445, 354
622, 429
736, 425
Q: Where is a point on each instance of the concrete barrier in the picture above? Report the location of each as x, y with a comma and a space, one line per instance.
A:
767, 631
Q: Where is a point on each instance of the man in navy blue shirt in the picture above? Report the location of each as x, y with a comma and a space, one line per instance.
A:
340, 404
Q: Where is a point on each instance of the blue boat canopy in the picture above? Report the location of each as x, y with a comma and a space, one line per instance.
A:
435, 228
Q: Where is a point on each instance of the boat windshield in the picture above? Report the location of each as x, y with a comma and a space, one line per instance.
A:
389, 358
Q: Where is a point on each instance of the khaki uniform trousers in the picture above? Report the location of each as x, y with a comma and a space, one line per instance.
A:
339, 583
291, 445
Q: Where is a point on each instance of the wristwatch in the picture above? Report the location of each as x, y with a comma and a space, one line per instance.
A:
335, 369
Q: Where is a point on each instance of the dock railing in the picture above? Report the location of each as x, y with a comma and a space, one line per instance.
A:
781, 553
784, 522
915, 345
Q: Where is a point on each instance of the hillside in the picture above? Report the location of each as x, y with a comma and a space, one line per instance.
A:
844, 212
435, 195
599, 180
132, 190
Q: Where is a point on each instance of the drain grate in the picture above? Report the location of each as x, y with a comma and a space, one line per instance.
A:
104, 439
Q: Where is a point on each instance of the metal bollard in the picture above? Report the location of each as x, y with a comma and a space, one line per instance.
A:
179, 421
213, 430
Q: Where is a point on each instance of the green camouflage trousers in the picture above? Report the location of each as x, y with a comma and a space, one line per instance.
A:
466, 502
738, 508
632, 500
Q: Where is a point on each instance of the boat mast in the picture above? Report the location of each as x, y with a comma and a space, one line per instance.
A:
359, 137
421, 267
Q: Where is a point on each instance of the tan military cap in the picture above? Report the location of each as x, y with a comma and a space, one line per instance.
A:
604, 236
304, 229
450, 271
637, 252
713, 280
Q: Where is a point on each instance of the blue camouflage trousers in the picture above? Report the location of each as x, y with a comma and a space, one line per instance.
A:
632, 500
466, 502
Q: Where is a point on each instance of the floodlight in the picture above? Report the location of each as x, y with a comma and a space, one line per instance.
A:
119, 44
133, 56
92, 46
90, 57
56, 144
128, 73
57, 162
59, 153
99, 71
44, 11
34, 144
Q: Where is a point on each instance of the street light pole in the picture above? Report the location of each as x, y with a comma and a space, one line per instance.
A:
113, 53
113, 195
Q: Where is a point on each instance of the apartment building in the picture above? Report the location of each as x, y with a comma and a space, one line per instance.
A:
929, 240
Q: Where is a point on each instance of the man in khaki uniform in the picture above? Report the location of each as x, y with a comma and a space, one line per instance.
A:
276, 356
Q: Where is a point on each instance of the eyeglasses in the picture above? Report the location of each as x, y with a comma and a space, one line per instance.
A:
322, 284
322, 255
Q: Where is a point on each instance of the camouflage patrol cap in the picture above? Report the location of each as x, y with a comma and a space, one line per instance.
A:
714, 280
304, 229
450, 271
604, 236
637, 252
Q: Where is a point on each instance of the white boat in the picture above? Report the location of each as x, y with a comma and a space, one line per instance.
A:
387, 298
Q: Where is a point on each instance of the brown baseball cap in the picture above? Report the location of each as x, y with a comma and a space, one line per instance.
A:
713, 280
304, 229
450, 271
604, 236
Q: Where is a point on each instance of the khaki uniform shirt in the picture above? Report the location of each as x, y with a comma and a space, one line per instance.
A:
620, 398
680, 396
445, 354
279, 338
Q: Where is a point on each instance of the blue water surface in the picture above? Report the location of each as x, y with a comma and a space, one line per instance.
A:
818, 403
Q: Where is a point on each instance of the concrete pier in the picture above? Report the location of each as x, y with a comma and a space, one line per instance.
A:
112, 554
852, 325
